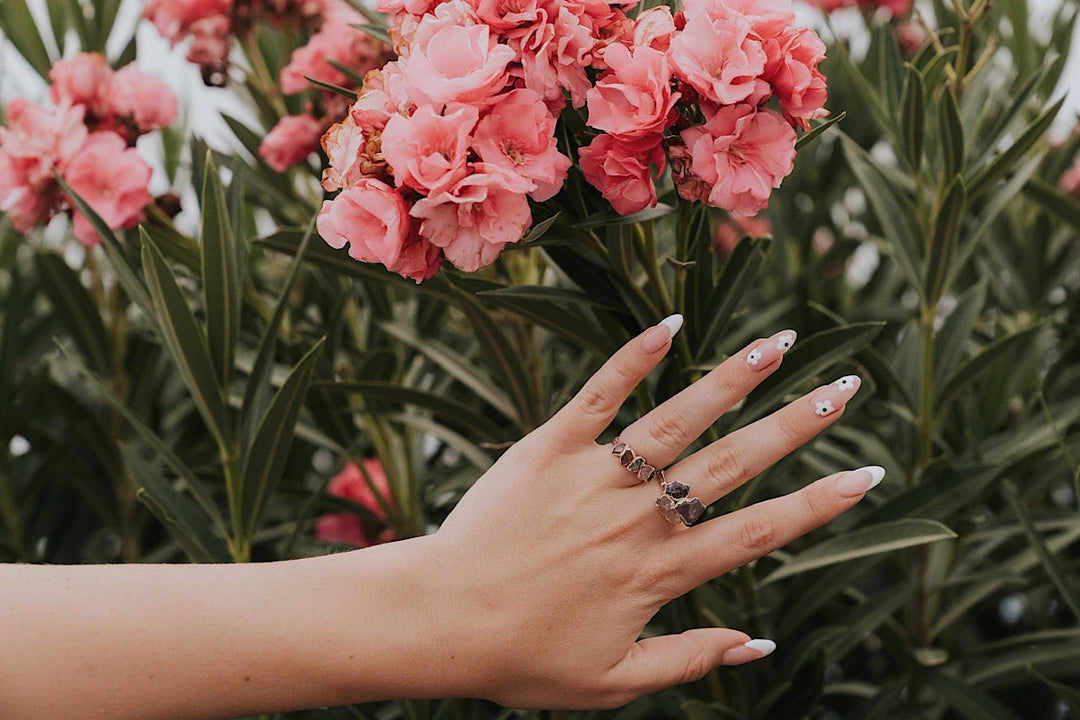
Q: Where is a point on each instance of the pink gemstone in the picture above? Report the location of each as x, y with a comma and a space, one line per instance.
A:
627, 456
618, 449
645, 473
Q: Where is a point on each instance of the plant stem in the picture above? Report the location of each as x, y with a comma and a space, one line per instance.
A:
239, 543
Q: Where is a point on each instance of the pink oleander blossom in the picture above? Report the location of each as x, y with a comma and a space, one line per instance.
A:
518, 134
42, 139
792, 71
429, 150
654, 28
350, 527
622, 170
634, 97
735, 227
344, 144
112, 179
456, 64
86, 80
473, 221
721, 58
149, 103
743, 153
291, 141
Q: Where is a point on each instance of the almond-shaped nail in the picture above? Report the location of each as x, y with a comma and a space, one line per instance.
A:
660, 334
829, 399
767, 351
752, 650
858, 482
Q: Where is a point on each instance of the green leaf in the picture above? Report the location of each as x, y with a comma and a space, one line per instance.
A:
955, 332
176, 512
379, 32
1049, 657
222, 275
806, 361
981, 363
185, 341
1049, 562
808, 137
868, 95
172, 243
893, 211
539, 230
952, 135
891, 66
968, 701
872, 540
18, 25
130, 281
860, 622
608, 217
547, 294
1064, 206
264, 460
1000, 122
1000, 166
336, 89
947, 226
75, 309
914, 118
738, 275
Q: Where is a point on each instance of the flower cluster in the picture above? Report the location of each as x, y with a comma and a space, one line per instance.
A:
350, 527
88, 137
337, 44
445, 146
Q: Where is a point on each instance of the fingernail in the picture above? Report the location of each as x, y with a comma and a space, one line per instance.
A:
767, 351
857, 482
752, 650
660, 334
832, 397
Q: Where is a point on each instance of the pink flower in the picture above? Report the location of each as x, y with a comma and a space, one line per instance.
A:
743, 153
173, 17
792, 71
147, 101
736, 227
291, 141
1069, 182
86, 79
476, 219
766, 17
634, 97
456, 64
41, 139
336, 42
518, 134
373, 219
720, 58
382, 95
428, 151
343, 144
620, 169
654, 28
23, 204
554, 56
506, 14
351, 485
112, 179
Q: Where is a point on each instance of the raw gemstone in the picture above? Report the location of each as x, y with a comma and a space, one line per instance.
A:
626, 457
645, 473
666, 504
677, 489
618, 449
690, 510
636, 464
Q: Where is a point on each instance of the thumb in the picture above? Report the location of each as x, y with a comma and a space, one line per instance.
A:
657, 663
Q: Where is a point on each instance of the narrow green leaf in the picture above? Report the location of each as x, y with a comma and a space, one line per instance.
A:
250, 139
914, 119
177, 513
1064, 206
808, 137
222, 276
868, 95
807, 360
265, 458
75, 309
185, 341
893, 212
379, 32
892, 67
58, 23
172, 243
951, 128
862, 621
1004, 668
988, 139
738, 275
968, 701
981, 363
608, 217
539, 230
130, 281
1001, 165
872, 540
1049, 562
18, 25
549, 294
955, 332
336, 89
946, 237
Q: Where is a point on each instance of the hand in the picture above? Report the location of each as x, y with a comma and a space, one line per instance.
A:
552, 564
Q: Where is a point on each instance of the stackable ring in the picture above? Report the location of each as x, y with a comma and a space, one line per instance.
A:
634, 462
676, 507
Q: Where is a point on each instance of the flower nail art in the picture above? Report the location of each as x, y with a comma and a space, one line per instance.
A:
784, 342
847, 382
754, 357
824, 407
769, 351
831, 398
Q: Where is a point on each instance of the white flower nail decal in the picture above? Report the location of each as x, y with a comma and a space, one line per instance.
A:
824, 407
784, 342
753, 357
846, 383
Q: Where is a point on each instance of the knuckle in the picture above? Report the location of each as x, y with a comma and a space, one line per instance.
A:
815, 505
670, 429
758, 533
593, 402
696, 667
725, 467
790, 428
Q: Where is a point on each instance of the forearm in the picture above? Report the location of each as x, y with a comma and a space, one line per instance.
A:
215, 641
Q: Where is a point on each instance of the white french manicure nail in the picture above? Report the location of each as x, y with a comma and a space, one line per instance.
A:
673, 323
761, 645
660, 335
860, 481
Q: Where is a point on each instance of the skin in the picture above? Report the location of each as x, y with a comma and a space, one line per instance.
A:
533, 593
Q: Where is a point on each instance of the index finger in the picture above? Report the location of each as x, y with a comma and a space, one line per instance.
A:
589, 413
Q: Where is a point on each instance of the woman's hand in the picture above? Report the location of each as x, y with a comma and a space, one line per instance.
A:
552, 564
